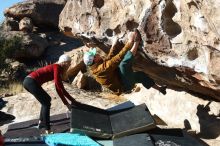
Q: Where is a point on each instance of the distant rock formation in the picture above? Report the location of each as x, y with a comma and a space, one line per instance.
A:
44, 13
33, 45
29, 20
180, 38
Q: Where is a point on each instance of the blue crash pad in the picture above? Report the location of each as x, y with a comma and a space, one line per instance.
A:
69, 139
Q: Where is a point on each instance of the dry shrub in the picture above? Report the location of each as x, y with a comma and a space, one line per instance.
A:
15, 87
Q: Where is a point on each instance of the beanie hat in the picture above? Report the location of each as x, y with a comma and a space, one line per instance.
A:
89, 56
64, 58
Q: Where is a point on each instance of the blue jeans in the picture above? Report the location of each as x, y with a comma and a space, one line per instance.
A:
129, 78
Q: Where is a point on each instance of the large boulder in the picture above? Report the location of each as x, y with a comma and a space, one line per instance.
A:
42, 12
180, 38
33, 46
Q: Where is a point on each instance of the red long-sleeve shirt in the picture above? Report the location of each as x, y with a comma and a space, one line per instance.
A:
49, 73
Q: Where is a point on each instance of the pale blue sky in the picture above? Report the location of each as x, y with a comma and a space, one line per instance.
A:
5, 4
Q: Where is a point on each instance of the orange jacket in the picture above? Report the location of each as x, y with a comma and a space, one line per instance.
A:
106, 72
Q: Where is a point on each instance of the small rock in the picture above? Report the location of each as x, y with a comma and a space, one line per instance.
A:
80, 80
26, 25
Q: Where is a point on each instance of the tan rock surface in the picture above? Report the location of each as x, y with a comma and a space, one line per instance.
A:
80, 81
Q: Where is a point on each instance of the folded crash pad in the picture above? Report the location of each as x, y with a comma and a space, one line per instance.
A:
101, 123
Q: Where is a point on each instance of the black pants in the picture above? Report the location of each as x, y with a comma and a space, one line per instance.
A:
40, 94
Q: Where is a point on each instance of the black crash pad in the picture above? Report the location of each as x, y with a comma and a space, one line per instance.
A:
26, 144
156, 137
173, 137
134, 140
59, 123
106, 124
28, 141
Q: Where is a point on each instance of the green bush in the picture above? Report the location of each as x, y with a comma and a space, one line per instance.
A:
8, 47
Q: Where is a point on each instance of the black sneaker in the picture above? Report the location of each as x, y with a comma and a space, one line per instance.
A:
41, 125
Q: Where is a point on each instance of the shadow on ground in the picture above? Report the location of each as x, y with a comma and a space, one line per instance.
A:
209, 124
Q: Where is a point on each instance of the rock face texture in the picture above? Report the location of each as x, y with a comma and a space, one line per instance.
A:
42, 12
79, 81
180, 45
10, 24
